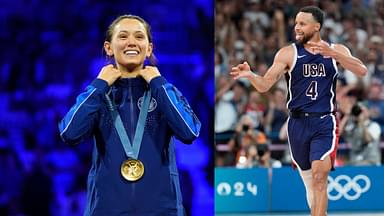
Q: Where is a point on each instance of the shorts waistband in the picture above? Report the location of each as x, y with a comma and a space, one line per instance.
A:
296, 114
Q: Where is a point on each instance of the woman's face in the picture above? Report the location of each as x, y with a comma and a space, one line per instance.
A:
129, 45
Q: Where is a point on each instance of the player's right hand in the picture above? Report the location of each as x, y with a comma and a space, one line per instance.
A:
109, 74
241, 70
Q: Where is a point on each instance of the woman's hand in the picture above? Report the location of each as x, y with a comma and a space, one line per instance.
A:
109, 74
149, 72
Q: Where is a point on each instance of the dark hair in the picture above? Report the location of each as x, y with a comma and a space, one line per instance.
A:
356, 110
109, 33
261, 149
316, 12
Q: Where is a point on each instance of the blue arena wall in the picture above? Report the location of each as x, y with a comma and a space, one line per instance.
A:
281, 190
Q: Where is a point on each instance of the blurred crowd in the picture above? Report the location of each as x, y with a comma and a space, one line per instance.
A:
250, 127
51, 51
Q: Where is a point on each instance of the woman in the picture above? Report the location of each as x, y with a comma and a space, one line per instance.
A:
132, 112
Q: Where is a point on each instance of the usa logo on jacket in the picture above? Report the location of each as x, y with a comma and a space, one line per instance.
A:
152, 104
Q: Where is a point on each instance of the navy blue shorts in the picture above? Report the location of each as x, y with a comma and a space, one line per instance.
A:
312, 138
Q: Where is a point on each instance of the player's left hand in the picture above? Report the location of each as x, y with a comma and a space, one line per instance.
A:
321, 48
149, 72
241, 70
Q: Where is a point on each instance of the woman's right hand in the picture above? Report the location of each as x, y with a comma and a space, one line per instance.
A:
109, 74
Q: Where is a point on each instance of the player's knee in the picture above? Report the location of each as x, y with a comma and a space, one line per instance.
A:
319, 180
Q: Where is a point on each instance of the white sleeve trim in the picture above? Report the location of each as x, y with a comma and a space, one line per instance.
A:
196, 135
74, 113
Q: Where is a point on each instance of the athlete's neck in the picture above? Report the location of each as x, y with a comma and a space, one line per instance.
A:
129, 72
316, 38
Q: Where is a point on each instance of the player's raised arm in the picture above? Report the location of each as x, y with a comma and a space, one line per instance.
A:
263, 83
342, 55
349, 62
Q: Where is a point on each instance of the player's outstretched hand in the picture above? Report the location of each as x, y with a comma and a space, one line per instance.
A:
321, 48
241, 70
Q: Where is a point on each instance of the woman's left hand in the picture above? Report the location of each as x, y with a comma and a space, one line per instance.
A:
149, 72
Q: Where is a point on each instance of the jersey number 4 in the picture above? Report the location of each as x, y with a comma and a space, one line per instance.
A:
312, 90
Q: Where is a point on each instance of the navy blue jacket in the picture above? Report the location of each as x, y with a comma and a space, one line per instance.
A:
169, 115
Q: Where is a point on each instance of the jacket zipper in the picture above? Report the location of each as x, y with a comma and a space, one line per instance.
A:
131, 116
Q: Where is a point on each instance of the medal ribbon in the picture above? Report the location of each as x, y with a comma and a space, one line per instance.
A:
131, 150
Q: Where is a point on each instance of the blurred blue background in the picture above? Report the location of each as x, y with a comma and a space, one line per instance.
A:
50, 51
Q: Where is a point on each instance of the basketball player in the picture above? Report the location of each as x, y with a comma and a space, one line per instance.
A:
310, 68
133, 113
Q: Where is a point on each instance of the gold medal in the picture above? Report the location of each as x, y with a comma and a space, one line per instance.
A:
132, 169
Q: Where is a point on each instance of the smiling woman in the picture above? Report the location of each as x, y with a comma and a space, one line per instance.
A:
133, 113
132, 43
129, 42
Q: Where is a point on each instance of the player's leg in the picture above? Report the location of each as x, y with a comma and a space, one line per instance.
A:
299, 147
320, 171
322, 156
306, 177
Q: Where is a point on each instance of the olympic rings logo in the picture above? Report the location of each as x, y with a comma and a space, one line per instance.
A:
347, 187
